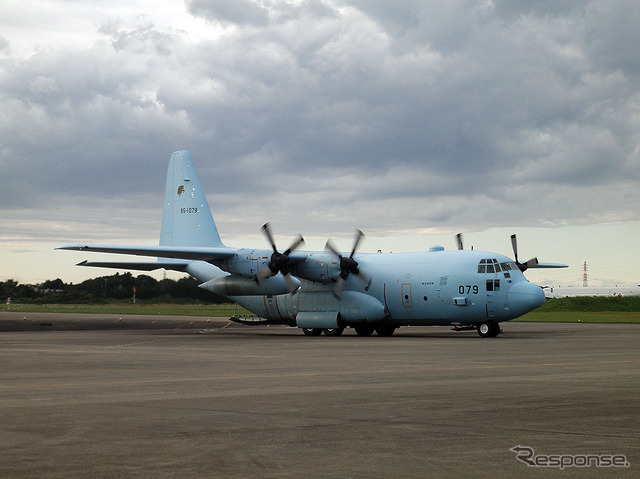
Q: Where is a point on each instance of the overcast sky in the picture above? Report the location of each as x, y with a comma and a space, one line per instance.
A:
410, 120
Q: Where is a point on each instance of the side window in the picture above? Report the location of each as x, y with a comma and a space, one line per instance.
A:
482, 268
496, 285
489, 285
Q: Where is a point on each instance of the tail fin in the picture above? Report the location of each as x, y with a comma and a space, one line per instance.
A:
186, 217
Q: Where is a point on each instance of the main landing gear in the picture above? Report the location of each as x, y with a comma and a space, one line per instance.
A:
360, 331
319, 331
488, 329
368, 330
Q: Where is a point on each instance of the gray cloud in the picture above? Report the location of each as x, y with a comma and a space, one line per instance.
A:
241, 12
330, 115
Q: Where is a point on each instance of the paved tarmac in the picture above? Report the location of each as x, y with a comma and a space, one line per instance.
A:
187, 398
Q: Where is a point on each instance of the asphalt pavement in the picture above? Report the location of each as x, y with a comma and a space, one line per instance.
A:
157, 397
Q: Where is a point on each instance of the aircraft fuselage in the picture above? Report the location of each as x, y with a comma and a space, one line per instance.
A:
425, 288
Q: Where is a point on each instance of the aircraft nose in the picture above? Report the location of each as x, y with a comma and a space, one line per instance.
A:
524, 297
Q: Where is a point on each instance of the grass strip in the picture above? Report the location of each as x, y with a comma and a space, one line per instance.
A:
211, 310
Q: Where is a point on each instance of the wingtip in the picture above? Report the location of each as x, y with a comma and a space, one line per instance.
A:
72, 247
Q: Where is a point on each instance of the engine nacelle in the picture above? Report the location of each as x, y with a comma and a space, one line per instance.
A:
246, 262
239, 286
318, 267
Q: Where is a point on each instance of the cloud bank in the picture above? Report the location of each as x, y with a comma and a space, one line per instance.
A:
326, 115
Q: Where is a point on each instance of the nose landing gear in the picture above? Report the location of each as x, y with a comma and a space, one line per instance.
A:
489, 329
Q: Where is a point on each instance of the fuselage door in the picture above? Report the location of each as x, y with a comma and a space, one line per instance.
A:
491, 269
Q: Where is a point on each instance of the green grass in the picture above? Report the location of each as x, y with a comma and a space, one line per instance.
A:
593, 304
582, 317
212, 310
565, 310
599, 309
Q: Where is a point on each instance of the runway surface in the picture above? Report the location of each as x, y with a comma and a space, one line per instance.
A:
183, 397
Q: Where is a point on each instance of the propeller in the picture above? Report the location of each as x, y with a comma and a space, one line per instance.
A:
526, 265
278, 262
348, 265
459, 241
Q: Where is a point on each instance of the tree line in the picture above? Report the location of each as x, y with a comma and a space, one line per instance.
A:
107, 289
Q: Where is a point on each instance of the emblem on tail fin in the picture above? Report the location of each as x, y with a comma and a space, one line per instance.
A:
180, 190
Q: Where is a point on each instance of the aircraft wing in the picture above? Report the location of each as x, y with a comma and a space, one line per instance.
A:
549, 265
176, 252
137, 266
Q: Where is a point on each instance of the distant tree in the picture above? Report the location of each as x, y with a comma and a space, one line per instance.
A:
146, 287
55, 284
8, 290
117, 287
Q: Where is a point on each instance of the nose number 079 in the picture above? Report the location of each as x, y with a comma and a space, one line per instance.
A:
468, 289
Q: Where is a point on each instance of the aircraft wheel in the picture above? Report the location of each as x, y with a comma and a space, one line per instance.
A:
385, 331
312, 331
364, 330
496, 330
333, 331
488, 329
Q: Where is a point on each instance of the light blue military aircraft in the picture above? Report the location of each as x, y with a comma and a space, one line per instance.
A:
327, 291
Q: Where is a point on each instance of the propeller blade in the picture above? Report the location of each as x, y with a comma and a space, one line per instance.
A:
267, 231
459, 241
533, 262
356, 242
348, 265
338, 290
514, 245
330, 247
291, 285
278, 261
364, 277
264, 273
528, 264
295, 245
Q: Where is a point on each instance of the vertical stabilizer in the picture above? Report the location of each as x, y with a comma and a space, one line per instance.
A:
186, 217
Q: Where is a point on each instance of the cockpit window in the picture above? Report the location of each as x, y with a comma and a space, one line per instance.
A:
491, 265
